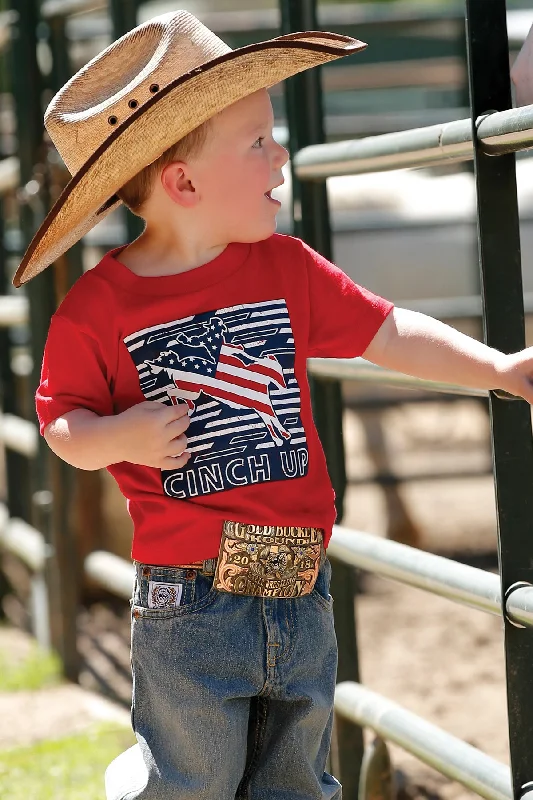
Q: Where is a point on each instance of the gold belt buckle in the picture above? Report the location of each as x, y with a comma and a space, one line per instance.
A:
268, 560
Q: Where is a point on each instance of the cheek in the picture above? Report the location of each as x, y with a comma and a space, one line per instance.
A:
243, 192
225, 187
237, 184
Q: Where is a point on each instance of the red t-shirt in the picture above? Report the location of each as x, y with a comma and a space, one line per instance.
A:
230, 338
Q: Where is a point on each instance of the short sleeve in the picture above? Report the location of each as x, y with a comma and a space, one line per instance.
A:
344, 317
73, 374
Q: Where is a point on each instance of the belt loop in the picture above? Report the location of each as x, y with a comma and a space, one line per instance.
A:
209, 566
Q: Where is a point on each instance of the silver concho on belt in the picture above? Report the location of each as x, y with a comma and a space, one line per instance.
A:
268, 560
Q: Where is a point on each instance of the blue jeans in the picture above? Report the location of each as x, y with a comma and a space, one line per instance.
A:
232, 695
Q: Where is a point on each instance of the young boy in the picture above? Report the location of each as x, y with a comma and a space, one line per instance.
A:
179, 363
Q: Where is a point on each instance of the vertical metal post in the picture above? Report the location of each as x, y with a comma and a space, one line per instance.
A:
501, 278
303, 100
76, 492
124, 17
349, 737
63, 479
7, 405
70, 267
17, 465
62, 589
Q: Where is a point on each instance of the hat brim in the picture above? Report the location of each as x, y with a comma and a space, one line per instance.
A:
171, 114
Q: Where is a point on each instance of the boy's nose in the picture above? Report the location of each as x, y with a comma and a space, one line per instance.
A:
281, 156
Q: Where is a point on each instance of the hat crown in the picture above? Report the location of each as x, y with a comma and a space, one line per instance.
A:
122, 78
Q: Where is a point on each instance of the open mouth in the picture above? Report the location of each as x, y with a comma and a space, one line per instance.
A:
268, 195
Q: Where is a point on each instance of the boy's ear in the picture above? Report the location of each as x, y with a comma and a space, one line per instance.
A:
177, 184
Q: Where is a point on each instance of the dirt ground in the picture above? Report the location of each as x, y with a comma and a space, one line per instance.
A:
52, 712
438, 659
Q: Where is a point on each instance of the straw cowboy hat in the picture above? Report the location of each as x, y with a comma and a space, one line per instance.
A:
142, 94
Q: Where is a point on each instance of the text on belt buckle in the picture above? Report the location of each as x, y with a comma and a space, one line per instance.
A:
268, 560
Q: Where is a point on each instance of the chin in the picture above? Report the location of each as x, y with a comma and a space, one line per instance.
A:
255, 234
264, 231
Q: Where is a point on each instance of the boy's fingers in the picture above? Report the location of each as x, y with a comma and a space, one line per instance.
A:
527, 391
171, 463
177, 412
176, 446
176, 427
169, 413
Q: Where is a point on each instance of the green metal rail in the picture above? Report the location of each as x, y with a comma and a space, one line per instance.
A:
64, 8
451, 142
447, 754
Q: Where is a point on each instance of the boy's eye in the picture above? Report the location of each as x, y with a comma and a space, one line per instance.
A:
259, 142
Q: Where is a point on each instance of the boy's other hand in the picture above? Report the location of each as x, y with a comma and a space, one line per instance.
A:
516, 374
152, 434
522, 73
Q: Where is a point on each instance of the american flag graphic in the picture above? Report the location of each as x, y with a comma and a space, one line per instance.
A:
234, 368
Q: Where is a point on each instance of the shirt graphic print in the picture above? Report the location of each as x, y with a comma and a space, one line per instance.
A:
234, 367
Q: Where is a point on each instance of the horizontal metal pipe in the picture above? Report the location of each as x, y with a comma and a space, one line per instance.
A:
9, 174
19, 435
13, 311
447, 754
110, 571
7, 20
456, 308
64, 8
22, 540
519, 605
466, 585
501, 132
506, 131
359, 369
420, 147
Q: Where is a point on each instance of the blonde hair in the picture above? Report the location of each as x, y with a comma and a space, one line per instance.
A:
136, 191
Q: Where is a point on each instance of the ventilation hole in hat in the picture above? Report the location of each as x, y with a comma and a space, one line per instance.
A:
154, 88
108, 204
112, 120
133, 103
